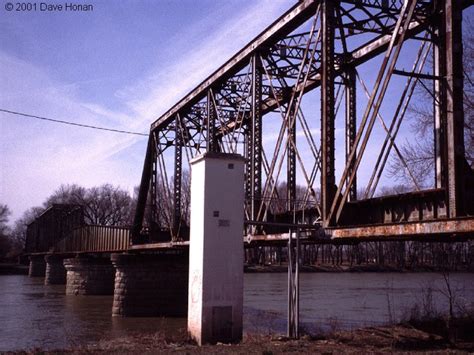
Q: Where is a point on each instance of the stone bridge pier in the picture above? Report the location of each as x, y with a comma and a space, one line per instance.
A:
151, 284
37, 266
55, 270
89, 275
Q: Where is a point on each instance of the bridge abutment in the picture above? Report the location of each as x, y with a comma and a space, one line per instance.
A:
37, 266
151, 285
88, 275
55, 270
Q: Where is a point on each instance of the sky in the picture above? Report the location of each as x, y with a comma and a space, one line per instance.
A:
121, 66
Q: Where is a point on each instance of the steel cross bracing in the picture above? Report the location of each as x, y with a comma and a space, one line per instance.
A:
280, 101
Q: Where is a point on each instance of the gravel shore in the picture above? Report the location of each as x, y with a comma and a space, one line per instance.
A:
401, 338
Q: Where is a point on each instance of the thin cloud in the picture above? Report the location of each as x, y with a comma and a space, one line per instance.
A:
36, 157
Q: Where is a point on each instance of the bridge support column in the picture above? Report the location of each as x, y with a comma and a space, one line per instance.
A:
216, 248
55, 270
37, 266
151, 285
87, 275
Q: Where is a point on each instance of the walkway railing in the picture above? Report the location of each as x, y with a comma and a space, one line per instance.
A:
92, 238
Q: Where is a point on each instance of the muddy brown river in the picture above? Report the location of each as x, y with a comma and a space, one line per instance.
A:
36, 316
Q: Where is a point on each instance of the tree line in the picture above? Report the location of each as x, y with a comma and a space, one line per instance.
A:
373, 255
105, 205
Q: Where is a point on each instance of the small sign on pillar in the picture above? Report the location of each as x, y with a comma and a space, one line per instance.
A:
216, 251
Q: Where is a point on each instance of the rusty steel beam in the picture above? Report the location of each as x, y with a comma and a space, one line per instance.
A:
144, 187
178, 172
291, 159
328, 177
255, 139
462, 228
439, 104
211, 119
454, 107
351, 123
153, 194
453, 227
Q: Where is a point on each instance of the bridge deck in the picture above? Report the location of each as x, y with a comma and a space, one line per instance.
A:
92, 239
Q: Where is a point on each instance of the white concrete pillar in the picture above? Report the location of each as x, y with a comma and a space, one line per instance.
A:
216, 248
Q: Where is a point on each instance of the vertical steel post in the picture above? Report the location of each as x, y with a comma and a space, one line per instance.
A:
211, 123
293, 285
153, 197
439, 103
248, 164
291, 160
177, 178
328, 179
297, 285
290, 286
256, 138
351, 124
454, 107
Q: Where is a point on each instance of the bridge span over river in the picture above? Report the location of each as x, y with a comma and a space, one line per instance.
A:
322, 68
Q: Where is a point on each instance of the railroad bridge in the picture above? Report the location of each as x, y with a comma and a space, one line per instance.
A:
318, 105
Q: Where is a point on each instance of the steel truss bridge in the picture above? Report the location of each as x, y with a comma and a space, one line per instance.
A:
328, 79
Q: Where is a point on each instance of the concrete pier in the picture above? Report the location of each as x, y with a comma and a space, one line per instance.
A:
37, 266
216, 249
151, 285
88, 275
55, 270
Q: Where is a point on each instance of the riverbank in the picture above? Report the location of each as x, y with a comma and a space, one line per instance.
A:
397, 338
13, 269
18, 269
283, 268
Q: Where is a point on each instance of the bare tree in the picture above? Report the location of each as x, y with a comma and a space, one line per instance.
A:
108, 205
393, 190
18, 234
278, 203
104, 205
4, 215
4, 230
419, 154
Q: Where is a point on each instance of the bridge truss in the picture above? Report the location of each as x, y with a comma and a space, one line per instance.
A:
317, 104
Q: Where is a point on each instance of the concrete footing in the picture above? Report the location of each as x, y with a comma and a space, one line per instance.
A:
151, 285
87, 275
37, 266
55, 270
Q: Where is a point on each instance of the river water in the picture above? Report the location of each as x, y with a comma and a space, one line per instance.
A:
33, 315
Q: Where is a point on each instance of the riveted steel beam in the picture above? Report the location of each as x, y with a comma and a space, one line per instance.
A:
328, 179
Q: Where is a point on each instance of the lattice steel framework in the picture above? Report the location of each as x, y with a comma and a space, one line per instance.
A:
313, 54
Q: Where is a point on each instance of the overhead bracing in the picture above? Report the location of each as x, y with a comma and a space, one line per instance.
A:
314, 55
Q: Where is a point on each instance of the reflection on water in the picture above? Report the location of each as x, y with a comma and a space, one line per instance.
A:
348, 300
34, 315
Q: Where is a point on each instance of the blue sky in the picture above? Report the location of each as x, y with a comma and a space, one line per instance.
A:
119, 66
